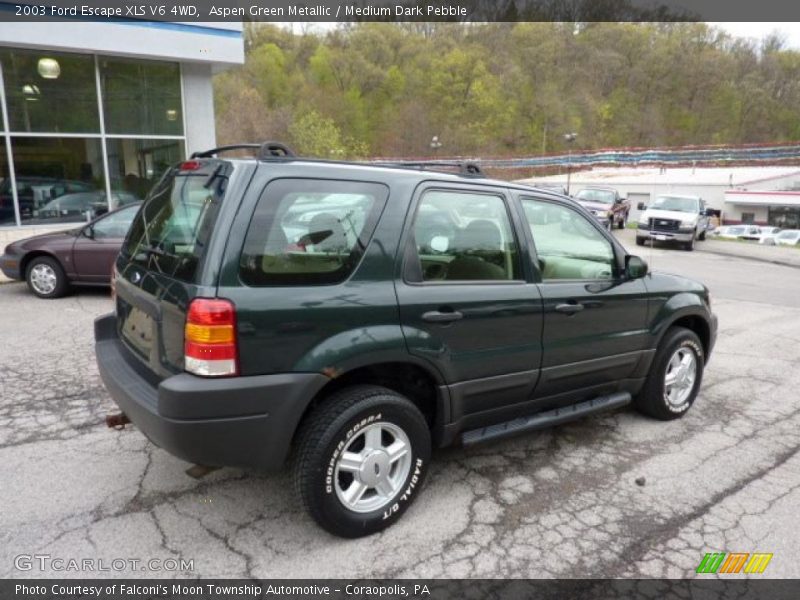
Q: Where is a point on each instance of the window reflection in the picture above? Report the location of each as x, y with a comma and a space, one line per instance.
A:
50, 92
141, 97
58, 179
135, 165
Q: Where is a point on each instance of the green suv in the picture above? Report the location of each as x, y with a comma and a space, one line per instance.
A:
350, 317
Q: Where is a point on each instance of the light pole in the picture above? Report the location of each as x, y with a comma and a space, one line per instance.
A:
569, 138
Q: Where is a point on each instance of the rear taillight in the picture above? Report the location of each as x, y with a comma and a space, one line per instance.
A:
210, 338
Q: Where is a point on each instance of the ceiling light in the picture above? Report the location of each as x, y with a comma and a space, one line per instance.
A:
49, 68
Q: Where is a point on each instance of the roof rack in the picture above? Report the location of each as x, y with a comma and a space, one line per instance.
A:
266, 150
465, 168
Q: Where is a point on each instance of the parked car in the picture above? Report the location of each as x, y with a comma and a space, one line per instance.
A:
377, 338
53, 262
35, 192
606, 205
788, 237
79, 204
767, 235
551, 187
673, 218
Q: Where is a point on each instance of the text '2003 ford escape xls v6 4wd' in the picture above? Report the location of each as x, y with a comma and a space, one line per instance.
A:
356, 315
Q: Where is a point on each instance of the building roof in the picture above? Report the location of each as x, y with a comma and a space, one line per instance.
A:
723, 176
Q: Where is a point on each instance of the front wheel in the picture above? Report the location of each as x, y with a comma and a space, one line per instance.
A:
689, 246
46, 278
361, 460
675, 376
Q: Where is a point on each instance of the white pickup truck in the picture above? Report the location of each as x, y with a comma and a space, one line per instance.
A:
673, 218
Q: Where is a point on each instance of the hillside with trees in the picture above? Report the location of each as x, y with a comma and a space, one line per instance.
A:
506, 89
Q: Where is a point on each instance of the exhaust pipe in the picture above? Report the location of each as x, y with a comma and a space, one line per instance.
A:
117, 421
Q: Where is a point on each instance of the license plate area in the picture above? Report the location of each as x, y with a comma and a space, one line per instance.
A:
661, 238
137, 328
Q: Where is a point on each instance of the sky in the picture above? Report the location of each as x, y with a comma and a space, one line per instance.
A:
790, 31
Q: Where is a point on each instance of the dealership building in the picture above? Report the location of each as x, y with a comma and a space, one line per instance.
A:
759, 195
94, 112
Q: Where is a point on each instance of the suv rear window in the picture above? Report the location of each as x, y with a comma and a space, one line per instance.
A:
171, 232
309, 231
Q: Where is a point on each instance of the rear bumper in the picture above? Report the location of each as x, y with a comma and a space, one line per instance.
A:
254, 418
9, 265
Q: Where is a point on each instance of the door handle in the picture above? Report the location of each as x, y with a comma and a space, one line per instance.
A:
436, 316
569, 309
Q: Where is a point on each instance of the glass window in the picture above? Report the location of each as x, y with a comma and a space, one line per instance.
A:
115, 224
6, 198
136, 165
141, 97
462, 236
50, 92
568, 245
58, 179
174, 226
309, 231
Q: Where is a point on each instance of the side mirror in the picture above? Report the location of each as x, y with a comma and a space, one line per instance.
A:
635, 267
88, 232
641, 206
709, 212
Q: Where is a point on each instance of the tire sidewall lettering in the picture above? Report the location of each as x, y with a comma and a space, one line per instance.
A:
353, 430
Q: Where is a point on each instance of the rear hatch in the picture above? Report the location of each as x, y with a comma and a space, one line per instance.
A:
164, 261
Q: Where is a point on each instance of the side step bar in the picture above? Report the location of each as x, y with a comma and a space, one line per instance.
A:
546, 419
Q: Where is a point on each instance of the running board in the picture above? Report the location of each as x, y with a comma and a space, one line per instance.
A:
546, 419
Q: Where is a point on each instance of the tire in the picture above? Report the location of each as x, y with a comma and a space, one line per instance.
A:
46, 278
639, 241
656, 399
702, 236
689, 246
347, 421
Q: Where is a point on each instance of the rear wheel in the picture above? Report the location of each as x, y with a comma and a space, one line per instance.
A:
46, 278
361, 460
675, 376
702, 236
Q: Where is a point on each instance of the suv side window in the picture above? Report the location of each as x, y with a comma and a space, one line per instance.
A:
567, 244
309, 231
464, 236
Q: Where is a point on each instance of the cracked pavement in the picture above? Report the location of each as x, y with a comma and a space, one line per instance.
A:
558, 503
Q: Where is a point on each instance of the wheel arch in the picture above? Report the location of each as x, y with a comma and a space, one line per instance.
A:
32, 254
406, 375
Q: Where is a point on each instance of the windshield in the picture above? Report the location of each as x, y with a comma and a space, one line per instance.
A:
172, 230
676, 203
788, 235
599, 196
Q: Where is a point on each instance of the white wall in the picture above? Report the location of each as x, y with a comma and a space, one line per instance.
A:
198, 107
219, 44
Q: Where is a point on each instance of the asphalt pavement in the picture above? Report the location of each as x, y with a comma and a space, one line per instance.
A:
559, 503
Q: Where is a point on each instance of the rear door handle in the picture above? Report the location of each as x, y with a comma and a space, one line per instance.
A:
569, 309
436, 316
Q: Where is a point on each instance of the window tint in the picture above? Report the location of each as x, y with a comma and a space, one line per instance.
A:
461, 236
171, 232
309, 231
567, 244
116, 224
